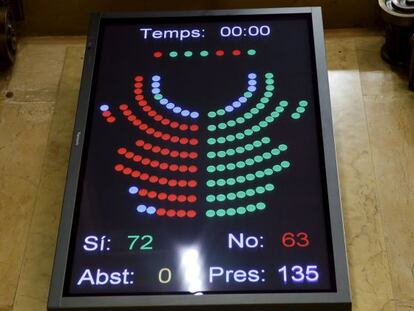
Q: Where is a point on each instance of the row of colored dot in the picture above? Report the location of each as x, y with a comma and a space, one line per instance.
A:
250, 131
156, 149
107, 114
204, 53
247, 162
151, 210
155, 179
151, 131
269, 87
231, 196
238, 103
238, 150
300, 110
169, 105
154, 114
249, 177
241, 210
181, 198
162, 151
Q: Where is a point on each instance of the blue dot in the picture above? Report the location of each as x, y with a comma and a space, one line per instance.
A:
156, 78
242, 99
185, 113
133, 190
141, 208
151, 210
156, 91
164, 101
155, 84
177, 109
104, 107
236, 104
252, 76
170, 106
229, 108
252, 82
251, 88
194, 114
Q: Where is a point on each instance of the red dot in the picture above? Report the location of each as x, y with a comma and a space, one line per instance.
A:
156, 149
183, 140
153, 179
174, 139
193, 141
183, 127
192, 198
161, 211
163, 181
111, 119
192, 183
143, 192
154, 164
135, 174
119, 167
152, 194
172, 183
146, 161
181, 213
194, 127
152, 113
143, 127
162, 196
173, 167
174, 124
182, 183
139, 78
236, 52
147, 146
183, 168
157, 54
193, 169
123, 107
181, 198
132, 118
171, 213
147, 108
163, 166
193, 155
165, 136
139, 143
129, 155
137, 122
138, 91
138, 85
165, 151
142, 103
219, 52
127, 171
174, 153
165, 121
158, 117
172, 197
122, 150
191, 214
144, 176
127, 112
137, 158
157, 134
139, 97
183, 154
106, 113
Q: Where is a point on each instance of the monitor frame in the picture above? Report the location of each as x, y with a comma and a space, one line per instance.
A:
321, 301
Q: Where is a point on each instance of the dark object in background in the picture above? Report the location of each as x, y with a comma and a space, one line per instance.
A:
9, 10
398, 49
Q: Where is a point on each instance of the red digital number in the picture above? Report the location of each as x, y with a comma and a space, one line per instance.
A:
290, 239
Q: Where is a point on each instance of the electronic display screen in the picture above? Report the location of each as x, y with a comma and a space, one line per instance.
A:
203, 167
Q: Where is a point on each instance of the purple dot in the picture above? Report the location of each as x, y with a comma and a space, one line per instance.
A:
151, 210
252, 82
141, 208
229, 108
133, 190
177, 109
156, 78
252, 76
104, 108
170, 106
236, 104
251, 88
243, 99
156, 91
185, 113
194, 114
164, 101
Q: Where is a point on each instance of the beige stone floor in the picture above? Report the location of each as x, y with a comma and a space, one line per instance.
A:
373, 115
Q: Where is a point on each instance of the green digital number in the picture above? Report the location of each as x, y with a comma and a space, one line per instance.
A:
146, 239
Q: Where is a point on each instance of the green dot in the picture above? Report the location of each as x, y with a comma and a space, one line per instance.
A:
269, 81
188, 54
221, 182
211, 169
277, 168
256, 128
250, 192
265, 140
259, 174
283, 103
231, 212
221, 197
231, 196
210, 213
222, 126
241, 194
173, 54
248, 132
275, 114
249, 147
241, 210
269, 187
266, 155
251, 208
251, 52
268, 172
158, 97
239, 136
221, 140
211, 183
260, 106
275, 151
249, 162
221, 154
212, 114
279, 109
220, 212
269, 119
221, 168
210, 198
211, 128
260, 190
250, 177
269, 75
264, 100
263, 124
248, 115
303, 103
240, 150
221, 112
254, 111
231, 181
295, 116
230, 152
204, 53
231, 123
270, 88
240, 120
211, 155
260, 206
300, 109
258, 159
248, 94
268, 94
257, 143
240, 164
285, 164
231, 166
241, 179
283, 147
211, 141
230, 138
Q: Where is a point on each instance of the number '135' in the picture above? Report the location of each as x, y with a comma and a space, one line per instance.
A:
299, 274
